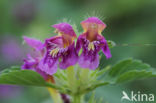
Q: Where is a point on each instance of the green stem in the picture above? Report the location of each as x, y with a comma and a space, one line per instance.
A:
77, 99
84, 75
71, 78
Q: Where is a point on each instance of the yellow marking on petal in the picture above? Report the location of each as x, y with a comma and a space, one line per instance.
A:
91, 46
54, 52
99, 32
100, 29
67, 40
60, 34
85, 30
56, 31
93, 27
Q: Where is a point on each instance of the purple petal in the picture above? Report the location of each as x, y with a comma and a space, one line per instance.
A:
29, 63
48, 64
36, 44
54, 42
95, 20
42, 73
105, 49
79, 44
88, 60
32, 64
69, 58
65, 28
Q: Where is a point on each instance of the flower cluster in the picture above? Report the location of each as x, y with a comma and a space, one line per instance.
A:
61, 51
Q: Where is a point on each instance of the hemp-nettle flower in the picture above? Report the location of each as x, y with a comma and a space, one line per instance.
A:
60, 49
92, 41
32, 62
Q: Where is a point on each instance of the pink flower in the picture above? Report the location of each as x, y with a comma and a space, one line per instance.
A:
32, 61
60, 49
91, 41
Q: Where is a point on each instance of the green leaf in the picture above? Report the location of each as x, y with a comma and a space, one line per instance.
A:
128, 70
93, 86
10, 69
92, 98
22, 77
124, 71
133, 75
16, 76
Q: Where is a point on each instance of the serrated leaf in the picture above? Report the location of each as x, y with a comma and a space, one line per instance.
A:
22, 77
16, 76
128, 70
129, 76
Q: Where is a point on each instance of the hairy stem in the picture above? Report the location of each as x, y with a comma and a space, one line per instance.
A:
71, 78
84, 75
77, 99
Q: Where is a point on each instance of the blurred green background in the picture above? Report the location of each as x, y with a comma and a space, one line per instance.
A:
128, 21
